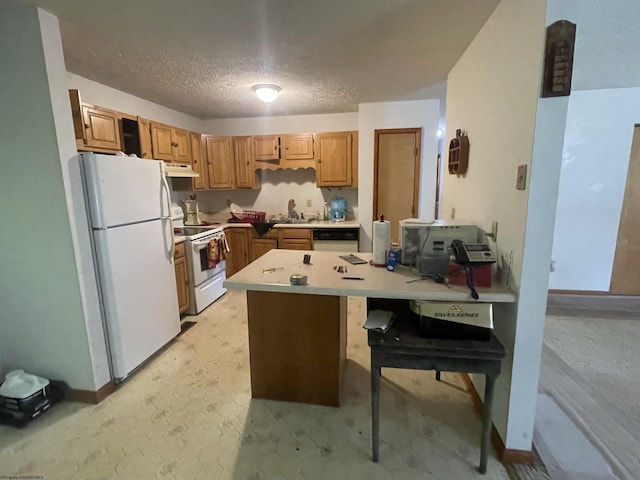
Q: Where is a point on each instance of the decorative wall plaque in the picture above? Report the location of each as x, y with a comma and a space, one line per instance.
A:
558, 59
459, 153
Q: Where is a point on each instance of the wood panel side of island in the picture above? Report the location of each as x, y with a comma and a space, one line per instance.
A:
297, 346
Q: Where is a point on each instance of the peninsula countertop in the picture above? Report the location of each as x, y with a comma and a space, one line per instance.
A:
324, 280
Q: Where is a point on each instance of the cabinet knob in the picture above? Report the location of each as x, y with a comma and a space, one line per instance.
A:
275, 148
248, 162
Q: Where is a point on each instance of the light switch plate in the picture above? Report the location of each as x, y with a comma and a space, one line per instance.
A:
521, 180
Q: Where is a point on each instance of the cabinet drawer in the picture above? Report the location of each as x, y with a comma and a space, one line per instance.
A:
273, 233
180, 250
295, 233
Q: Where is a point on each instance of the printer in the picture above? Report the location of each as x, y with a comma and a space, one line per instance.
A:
426, 245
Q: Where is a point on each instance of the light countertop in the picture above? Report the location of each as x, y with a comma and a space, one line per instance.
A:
324, 280
345, 224
179, 238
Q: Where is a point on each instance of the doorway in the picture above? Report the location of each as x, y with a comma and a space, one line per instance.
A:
396, 175
626, 264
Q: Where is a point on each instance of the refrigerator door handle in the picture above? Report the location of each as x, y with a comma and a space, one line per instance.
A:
165, 186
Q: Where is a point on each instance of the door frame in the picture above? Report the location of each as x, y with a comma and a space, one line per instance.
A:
416, 166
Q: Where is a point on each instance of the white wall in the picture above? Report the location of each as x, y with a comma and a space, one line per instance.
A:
595, 161
43, 322
104, 96
411, 114
492, 93
603, 108
332, 122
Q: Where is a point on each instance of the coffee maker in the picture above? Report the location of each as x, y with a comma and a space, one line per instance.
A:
191, 213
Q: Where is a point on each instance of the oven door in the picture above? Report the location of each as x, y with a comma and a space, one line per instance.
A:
200, 261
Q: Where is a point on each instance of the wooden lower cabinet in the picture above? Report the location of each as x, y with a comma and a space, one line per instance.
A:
261, 245
295, 238
246, 245
238, 256
182, 277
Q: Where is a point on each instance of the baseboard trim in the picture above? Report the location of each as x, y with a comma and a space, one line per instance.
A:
89, 396
578, 292
505, 455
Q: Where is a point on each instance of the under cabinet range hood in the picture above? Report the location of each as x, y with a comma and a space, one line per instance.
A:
179, 170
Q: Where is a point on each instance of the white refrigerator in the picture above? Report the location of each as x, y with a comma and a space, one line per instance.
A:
132, 235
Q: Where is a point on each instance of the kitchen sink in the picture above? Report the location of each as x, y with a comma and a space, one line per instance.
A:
294, 220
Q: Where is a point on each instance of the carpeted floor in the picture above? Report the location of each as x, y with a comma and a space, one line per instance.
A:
590, 371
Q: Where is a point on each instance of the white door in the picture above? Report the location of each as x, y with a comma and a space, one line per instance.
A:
123, 190
139, 291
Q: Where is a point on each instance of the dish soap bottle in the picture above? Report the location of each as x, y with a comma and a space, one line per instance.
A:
326, 212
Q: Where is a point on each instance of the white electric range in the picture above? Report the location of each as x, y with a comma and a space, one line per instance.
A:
205, 281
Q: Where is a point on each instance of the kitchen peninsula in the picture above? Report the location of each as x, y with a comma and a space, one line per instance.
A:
298, 333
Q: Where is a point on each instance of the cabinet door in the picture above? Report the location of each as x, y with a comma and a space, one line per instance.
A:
238, 256
182, 280
101, 128
144, 130
297, 146
198, 162
162, 141
333, 159
266, 147
242, 156
220, 162
182, 146
76, 114
260, 246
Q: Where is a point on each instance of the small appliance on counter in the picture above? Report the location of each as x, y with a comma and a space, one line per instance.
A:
192, 212
24, 396
338, 209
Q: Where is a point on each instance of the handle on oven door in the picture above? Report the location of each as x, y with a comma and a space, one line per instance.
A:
165, 186
201, 243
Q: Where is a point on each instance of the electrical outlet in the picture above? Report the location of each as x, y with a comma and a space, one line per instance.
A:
308, 203
228, 202
494, 230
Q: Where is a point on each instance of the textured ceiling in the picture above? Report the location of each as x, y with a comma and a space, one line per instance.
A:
202, 57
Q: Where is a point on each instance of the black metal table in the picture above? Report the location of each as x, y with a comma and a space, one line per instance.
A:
401, 347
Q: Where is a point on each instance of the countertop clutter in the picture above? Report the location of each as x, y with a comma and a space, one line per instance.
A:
362, 280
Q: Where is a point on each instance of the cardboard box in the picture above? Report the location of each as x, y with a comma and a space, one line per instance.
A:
481, 275
455, 321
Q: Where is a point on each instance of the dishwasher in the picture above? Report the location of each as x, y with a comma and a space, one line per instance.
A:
335, 239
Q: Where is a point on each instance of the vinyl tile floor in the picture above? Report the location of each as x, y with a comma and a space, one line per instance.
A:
189, 415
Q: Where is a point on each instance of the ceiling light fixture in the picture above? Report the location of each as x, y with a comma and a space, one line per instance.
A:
267, 93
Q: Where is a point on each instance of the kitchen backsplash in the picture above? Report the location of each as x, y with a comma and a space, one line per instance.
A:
278, 186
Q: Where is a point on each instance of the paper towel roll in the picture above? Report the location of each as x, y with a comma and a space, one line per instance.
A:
381, 240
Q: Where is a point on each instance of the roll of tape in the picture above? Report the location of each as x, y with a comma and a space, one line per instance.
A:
298, 279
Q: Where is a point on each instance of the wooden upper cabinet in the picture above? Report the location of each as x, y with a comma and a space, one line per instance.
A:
198, 161
266, 147
161, 141
245, 176
297, 146
144, 130
334, 156
170, 144
219, 161
182, 146
96, 128
101, 128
